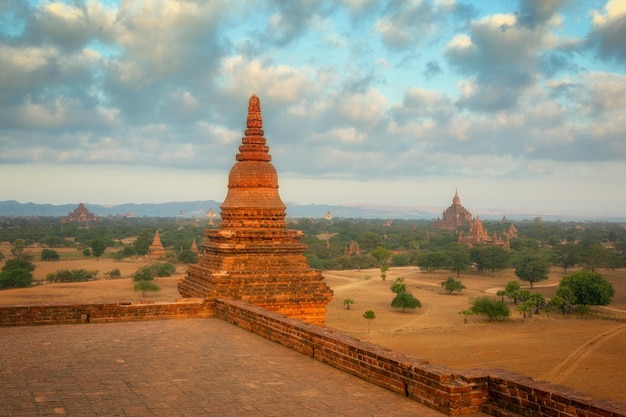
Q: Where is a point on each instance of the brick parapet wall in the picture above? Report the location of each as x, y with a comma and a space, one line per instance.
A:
103, 312
451, 391
438, 387
454, 392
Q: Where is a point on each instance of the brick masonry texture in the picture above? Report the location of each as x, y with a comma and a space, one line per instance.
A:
447, 390
99, 313
253, 257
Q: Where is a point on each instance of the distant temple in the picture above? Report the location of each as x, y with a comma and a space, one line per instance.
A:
454, 216
353, 249
252, 256
156, 249
477, 235
80, 215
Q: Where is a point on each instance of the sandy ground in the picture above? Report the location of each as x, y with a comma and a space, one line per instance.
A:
586, 354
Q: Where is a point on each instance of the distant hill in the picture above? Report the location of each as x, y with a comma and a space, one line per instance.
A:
191, 209
200, 208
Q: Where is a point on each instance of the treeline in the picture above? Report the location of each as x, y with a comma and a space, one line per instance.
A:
589, 245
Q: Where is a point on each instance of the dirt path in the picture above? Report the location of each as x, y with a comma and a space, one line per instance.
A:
560, 372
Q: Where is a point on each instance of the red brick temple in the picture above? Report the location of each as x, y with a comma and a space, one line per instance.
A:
156, 249
252, 256
454, 216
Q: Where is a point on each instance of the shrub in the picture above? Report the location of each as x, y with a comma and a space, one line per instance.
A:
49, 255
491, 308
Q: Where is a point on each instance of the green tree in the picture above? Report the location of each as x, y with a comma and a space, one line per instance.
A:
594, 256
451, 285
49, 255
369, 240
565, 255
143, 241
98, 246
188, 257
383, 272
532, 267
145, 273
53, 241
405, 299
458, 257
526, 308
347, 302
400, 259
431, 261
511, 290
369, 315
538, 301
490, 308
114, 273
398, 286
492, 258
146, 286
563, 300
17, 248
381, 254
16, 273
588, 288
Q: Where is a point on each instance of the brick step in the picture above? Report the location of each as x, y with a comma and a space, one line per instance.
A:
494, 410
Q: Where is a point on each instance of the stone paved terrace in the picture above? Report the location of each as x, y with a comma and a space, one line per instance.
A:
191, 367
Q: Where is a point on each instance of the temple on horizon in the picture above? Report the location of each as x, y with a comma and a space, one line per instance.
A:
454, 216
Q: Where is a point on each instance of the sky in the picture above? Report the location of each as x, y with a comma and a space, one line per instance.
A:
518, 105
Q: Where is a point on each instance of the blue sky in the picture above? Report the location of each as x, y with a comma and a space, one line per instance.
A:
520, 105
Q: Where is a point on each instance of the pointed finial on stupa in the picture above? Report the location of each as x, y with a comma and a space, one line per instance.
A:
456, 199
253, 146
255, 118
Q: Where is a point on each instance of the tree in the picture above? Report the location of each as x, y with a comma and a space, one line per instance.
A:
400, 259
405, 299
565, 256
188, 257
451, 285
398, 286
486, 306
16, 273
532, 267
492, 258
512, 291
369, 315
538, 301
146, 286
458, 257
526, 307
587, 288
431, 261
17, 248
114, 273
98, 246
594, 256
49, 255
563, 300
466, 314
383, 272
347, 303
369, 240
143, 241
381, 254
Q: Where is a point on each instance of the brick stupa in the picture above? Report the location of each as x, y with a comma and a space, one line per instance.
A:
156, 249
253, 257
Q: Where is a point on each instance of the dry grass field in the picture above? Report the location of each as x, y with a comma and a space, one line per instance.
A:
584, 353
